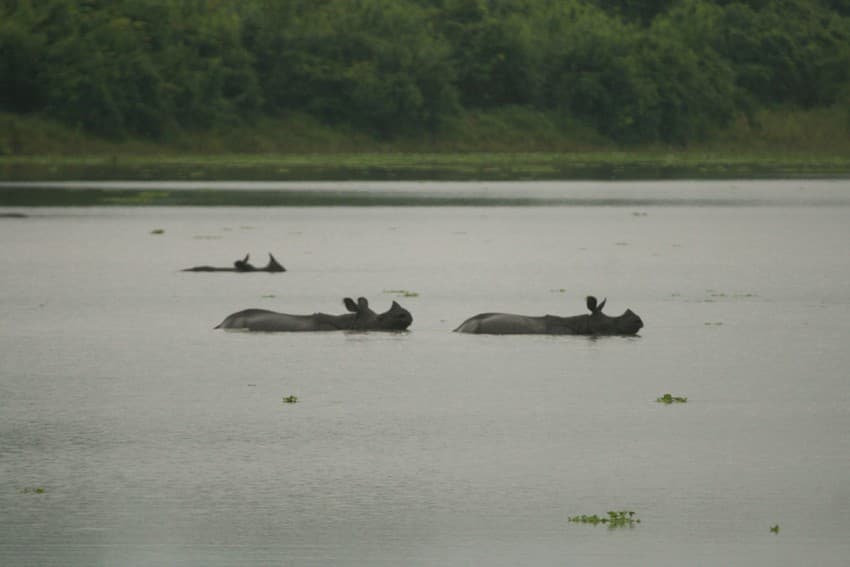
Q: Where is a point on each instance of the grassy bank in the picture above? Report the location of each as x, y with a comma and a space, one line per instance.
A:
412, 166
505, 144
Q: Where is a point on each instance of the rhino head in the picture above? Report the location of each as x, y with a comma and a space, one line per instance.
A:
396, 318
629, 323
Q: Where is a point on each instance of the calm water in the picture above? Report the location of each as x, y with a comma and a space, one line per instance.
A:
132, 433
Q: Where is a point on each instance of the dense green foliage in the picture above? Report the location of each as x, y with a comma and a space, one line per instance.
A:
633, 70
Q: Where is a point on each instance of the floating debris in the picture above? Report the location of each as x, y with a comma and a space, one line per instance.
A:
401, 292
670, 399
615, 519
290, 399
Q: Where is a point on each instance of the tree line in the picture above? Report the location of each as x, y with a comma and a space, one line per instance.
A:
637, 71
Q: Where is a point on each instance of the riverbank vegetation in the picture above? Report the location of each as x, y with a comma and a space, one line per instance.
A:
263, 77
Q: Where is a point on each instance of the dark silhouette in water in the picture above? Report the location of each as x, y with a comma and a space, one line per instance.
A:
597, 323
360, 318
242, 265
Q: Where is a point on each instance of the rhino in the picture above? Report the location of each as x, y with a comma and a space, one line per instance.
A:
242, 266
597, 323
360, 318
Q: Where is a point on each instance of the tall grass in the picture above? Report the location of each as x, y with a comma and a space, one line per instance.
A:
788, 130
505, 143
504, 130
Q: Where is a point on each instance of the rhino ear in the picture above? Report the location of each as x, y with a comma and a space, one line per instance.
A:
601, 305
363, 303
591, 303
350, 305
395, 305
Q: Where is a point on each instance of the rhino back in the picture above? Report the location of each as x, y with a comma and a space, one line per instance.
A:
576, 325
271, 321
502, 324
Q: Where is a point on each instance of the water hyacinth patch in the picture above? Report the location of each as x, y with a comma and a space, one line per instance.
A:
671, 399
615, 519
401, 292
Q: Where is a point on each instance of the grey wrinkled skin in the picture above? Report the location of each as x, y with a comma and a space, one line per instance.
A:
596, 323
359, 318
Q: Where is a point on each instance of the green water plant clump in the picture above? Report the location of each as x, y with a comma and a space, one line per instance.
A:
290, 399
671, 399
774, 528
401, 292
615, 519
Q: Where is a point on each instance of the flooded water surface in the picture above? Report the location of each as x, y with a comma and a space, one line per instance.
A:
133, 433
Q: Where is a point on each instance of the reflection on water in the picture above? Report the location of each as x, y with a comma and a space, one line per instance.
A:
376, 193
131, 432
405, 167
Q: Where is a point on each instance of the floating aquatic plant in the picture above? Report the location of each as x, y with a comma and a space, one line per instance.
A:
35, 490
615, 519
774, 528
670, 399
158, 231
401, 292
717, 294
130, 198
290, 399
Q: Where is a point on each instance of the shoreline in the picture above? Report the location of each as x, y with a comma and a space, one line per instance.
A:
538, 166
638, 194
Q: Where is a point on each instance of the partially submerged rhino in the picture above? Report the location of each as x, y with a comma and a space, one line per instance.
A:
360, 318
242, 265
597, 323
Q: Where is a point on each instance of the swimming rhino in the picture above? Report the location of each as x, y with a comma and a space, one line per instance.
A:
242, 266
360, 318
597, 323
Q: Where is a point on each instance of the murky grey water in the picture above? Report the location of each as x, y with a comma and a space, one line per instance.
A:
132, 433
